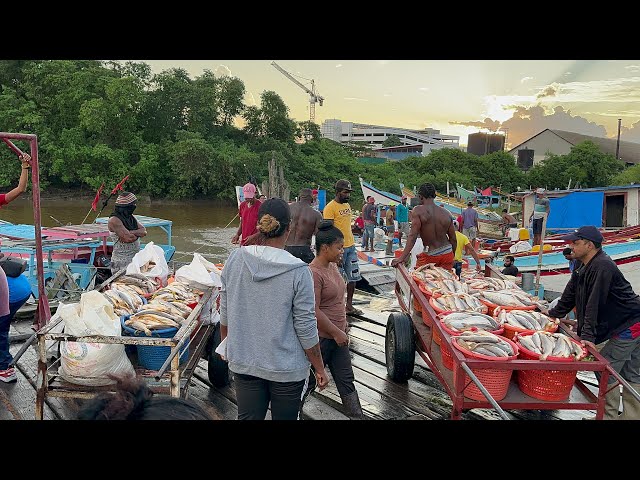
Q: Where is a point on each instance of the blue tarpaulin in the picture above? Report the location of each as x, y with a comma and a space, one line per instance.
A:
575, 210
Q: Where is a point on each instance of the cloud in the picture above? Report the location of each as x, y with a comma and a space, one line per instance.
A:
222, 71
631, 134
249, 99
633, 68
386, 94
423, 89
548, 91
525, 79
488, 124
566, 74
338, 65
355, 99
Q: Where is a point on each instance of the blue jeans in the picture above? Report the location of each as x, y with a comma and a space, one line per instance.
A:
350, 268
5, 323
367, 234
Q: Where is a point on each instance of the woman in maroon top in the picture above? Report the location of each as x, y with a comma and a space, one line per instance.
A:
330, 289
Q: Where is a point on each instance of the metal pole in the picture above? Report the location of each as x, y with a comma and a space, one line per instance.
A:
544, 229
618, 142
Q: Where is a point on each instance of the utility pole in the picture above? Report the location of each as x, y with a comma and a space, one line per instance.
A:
618, 142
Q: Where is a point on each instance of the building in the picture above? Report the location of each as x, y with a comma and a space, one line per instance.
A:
374, 136
533, 151
602, 207
484, 143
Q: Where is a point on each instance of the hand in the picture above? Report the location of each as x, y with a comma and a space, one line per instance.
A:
322, 379
478, 267
588, 344
26, 160
341, 338
544, 311
235, 238
396, 261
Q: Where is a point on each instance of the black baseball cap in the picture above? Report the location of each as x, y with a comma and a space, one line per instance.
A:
587, 232
343, 185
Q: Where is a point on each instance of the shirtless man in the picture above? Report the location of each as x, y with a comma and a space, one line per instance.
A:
435, 227
304, 224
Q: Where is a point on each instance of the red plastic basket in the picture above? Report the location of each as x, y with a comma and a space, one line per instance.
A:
551, 385
447, 356
510, 331
453, 333
493, 306
496, 381
416, 305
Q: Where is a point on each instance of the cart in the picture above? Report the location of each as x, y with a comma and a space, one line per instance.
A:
172, 378
407, 333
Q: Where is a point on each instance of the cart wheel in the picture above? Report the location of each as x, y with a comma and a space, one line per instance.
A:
218, 369
399, 347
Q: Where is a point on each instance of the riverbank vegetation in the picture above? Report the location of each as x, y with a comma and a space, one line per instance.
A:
179, 137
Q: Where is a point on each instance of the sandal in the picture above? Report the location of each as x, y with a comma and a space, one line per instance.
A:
355, 311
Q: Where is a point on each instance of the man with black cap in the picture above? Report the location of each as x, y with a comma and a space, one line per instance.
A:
304, 225
607, 310
126, 231
338, 210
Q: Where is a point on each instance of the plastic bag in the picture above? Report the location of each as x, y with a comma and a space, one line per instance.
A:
93, 315
222, 349
521, 246
200, 273
140, 262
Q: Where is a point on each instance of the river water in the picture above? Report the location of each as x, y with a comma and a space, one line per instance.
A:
198, 225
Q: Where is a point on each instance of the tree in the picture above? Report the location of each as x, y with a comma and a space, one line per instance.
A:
628, 176
392, 141
308, 130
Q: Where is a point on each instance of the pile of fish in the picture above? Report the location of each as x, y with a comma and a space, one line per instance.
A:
459, 302
431, 272
484, 343
177, 291
470, 274
551, 345
124, 298
490, 283
141, 284
525, 319
512, 298
444, 286
463, 321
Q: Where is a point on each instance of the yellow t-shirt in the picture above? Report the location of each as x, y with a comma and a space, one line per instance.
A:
462, 242
340, 213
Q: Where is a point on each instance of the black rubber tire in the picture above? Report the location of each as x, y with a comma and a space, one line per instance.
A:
399, 347
218, 369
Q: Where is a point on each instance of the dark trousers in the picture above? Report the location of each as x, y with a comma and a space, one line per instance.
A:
254, 394
5, 323
304, 253
457, 265
338, 359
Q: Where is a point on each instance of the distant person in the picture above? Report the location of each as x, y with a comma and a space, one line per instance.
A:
573, 261
402, 217
508, 221
330, 291
510, 267
369, 213
459, 220
391, 227
338, 211
608, 314
126, 231
358, 227
133, 400
463, 246
435, 226
248, 213
304, 225
262, 198
11, 195
541, 209
470, 223
267, 316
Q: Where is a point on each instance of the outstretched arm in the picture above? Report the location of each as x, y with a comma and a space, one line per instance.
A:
472, 251
416, 224
22, 183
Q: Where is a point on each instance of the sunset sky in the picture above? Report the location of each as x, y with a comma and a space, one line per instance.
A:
458, 97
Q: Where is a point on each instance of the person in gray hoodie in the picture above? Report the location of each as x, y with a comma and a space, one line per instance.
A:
267, 316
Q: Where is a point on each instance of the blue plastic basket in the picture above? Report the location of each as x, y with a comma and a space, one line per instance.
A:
152, 357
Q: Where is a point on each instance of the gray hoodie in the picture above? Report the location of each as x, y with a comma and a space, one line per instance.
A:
268, 304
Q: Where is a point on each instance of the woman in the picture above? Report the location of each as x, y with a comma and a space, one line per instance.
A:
126, 231
8, 374
267, 317
330, 289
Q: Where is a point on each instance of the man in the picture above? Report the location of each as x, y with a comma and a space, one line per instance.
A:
607, 310
338, 211
435, 226
573, 262
391, 227
510, 267
508, 221
541, 209
402, 216
262, 198
464, 245
126, 231
459, 220
248, 214
369, 217
304, 225
314, 193
470, 223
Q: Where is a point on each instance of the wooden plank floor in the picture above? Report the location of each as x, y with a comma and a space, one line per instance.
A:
422, 397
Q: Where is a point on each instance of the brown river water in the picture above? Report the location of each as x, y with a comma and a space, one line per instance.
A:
198, 225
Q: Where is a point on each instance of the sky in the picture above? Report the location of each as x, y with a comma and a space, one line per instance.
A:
458, 97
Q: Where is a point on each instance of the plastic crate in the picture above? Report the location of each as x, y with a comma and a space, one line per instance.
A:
152, 357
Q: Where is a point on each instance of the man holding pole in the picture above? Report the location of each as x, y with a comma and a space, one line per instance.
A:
248, 214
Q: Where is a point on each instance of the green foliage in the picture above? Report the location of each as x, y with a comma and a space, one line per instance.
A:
392, 141
628, 176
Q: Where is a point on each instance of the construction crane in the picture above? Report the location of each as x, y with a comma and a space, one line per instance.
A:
313, 96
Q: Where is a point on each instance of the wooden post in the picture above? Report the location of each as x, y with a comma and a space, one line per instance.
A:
540, 253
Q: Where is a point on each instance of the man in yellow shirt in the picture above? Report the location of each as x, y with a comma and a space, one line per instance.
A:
338, 210
463, 245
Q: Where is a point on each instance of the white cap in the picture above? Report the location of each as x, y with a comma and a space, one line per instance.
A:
539, 190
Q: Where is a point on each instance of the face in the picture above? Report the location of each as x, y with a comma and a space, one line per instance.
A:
343, 196
507, 262
581, 248
333, 252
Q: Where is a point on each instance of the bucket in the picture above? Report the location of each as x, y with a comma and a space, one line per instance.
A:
152, 357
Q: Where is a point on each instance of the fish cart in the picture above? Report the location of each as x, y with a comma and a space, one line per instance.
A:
172, 378
465, 378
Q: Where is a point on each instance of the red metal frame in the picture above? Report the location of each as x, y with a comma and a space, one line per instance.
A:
454, 380
44, 312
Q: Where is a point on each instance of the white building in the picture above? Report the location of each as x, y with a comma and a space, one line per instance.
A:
375, 135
